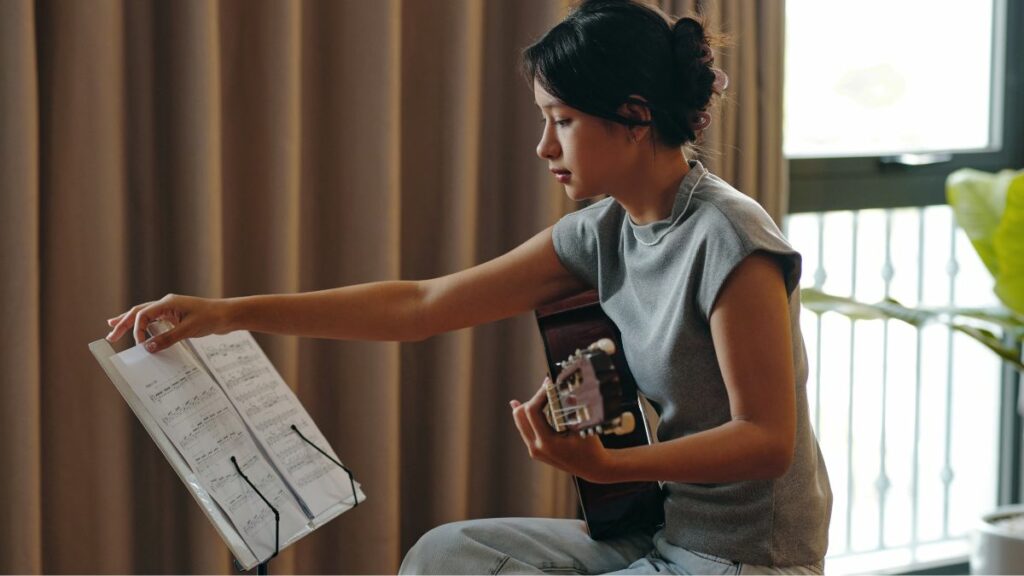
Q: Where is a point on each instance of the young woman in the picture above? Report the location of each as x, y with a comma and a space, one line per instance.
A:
697, 277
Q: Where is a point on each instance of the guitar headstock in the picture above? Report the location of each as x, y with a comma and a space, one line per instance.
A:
587, 395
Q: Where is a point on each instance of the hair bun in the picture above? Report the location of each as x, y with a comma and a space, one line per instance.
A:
695, 76
691, 44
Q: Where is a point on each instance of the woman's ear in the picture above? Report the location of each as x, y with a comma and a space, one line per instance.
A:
635, 108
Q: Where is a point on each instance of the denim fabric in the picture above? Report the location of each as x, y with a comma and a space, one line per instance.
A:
551, 546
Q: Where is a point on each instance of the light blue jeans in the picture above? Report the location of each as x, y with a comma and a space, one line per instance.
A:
550, 546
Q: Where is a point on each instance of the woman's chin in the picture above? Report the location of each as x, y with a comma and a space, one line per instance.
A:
576, 194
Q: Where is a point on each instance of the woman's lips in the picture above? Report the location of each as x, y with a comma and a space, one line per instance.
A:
563, 176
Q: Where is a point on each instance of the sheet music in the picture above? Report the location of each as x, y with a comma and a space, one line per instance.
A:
198, 418
270, 408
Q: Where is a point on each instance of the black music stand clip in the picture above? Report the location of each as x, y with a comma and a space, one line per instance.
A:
263, 569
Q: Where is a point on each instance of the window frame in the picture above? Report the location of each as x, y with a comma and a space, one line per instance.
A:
823, 184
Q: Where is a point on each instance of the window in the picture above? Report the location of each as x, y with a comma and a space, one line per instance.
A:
860, 81
876, 114
883, 100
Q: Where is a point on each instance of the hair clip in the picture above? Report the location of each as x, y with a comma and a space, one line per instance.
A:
700, 121
721, 81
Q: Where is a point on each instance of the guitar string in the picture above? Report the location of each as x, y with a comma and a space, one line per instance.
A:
559, 414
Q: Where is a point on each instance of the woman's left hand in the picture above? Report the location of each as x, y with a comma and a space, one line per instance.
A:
583, 457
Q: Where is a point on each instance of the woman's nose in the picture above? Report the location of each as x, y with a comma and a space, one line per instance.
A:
547, 148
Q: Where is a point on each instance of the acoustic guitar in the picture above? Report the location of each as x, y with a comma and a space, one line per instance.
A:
595, 393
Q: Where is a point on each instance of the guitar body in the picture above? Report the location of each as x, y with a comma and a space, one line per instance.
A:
608, 509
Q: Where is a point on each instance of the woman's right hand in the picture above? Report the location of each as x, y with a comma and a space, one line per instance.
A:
191, 317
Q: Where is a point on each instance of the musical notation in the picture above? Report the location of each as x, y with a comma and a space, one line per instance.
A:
198, 429
162, 390
278, 420
188, 407
265, 403
316, 473
199, 419
270, 408
247, 374
228, 349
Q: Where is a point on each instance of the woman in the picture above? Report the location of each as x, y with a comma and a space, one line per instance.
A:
697, 277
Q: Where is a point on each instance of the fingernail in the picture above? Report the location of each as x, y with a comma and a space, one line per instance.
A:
151, 346
512, 403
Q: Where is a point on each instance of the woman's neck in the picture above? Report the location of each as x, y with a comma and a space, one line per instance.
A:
651, 197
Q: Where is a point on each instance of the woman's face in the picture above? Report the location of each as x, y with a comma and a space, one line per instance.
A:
589, 155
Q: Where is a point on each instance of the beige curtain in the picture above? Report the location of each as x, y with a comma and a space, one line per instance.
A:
744, 143
239, 147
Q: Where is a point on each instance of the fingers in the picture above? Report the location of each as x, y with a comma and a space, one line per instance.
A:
523, 425
530, 422
167, 339
141, 321
540, 397
123, 321
533, 411
155, 311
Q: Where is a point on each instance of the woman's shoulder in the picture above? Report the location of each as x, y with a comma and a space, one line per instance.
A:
723, 213
717, 200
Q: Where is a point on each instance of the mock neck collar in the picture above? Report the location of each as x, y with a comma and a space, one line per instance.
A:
652, 233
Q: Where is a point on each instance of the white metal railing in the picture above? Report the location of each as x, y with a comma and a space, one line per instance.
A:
907, 419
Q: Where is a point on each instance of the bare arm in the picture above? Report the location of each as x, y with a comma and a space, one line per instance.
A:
516, 282
751, 331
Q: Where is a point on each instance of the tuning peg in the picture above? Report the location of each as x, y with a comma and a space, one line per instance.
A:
600, 430
624, 424
605, 345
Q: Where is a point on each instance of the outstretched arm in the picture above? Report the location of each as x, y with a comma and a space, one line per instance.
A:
511, 284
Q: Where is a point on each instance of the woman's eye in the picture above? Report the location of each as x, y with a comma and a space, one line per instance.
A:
563, 122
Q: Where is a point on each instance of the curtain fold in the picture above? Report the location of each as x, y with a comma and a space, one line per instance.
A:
85, 434
233, 147
20, 406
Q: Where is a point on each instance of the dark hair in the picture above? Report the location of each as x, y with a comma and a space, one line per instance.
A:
606, 50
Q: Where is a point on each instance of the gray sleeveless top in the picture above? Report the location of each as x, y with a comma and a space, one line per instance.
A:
658, 283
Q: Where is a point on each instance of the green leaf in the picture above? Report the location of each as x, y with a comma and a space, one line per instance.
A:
978, 200
1008, 244
889, 309
993, 343
1012, 324
1006, 320
820, 302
